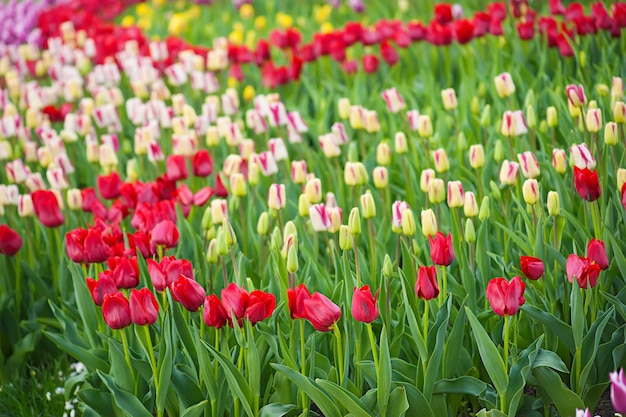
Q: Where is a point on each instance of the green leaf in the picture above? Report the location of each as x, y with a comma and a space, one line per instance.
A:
253, 365
312, 389
523, 244
519, 375
462, 385
99, 400
489, 353
434, 362
451, 349
345, 398
195, 410
124, 376
384, 372
578, 316
124, 399
592, 342
398, 403
276, 410
85, 304
182, 327
418, 338
565, 400
418, 405
550, 359
561, 329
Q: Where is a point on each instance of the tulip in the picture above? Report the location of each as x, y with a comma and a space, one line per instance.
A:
529, 164
425, 126
383, 154
476, 156
10, 241
354, 221
397, 208
594, 120
583, 413
319, 217
343, 106
393, 100
585, 271
234, 300
619, 112
425, 177
441, 160
116, 311
513, 124
504, 85
313, 190
364, 308
202, 163
530, 192
426, 286
296, 298
587, 184
47, 208
553, 203
618, 391
408, 223
336, 217
470, 205
368, 206
321, 312
187, 292
455, 194
505, 297
278, 149
509, 172
165, 234
238, 185
298, 172
448, 96
260, 306
551, 116
276, 198
597, 253
559, 160
436, 191
441, 250
143, 307
176, 167
380, 177
575, 95
100, 288
109, 185
429, 223
95, 249
532, 267
214, 313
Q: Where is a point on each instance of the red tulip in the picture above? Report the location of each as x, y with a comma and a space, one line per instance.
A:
234, 300
116, 311
157, 275
220, 188
587, 184
463, 30
597, 253
10, 241
321, 312
165, 234
47, 208
532, 267
370, 63
176, 167
624, 195
125, 271
506, 297
214, 313
556, 7
96, 250
364, 308
103, 286
110, 185
388, 53
143, 307
443, 13
296, 298
526, 30
89, 197
75, 245
260, 306
584, 269
441, 250
188, 292
426, 286
202, 163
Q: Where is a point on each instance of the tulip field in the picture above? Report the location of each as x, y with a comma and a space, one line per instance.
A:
312, 208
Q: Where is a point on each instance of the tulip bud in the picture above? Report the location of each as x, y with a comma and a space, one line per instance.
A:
531, 118
470, 206
530, 191
575, 95
470, 232
381, 179
484, 213
401, 144
498, 151
475, 105
425, 177
529, 164
455, 194
621, 178
211, 253
253, 173
290, 229
74, 199
276, 240
509, 172
276, 198
298, 172
425, 126
387, 267
619, 112
344, 108
368, 206
495, 190
350, 174
228, 234
594, 120
429, 223
345, 238
610, 134
354, 221
383, 154
408, 223
238, 185
335, 214
303, 205
592, 105
448, 96
292, 260
554, 206
551, 117
313, 190
559, 160
207, 219
442, 164
357, 114
461, 141
476, 156
485, 116
262, 226
504, 85
212, 137
219, 211
574, 111
436, 191
25, 206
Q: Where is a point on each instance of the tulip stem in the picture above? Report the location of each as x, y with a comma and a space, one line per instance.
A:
356, 262
339, 353
372, 262
408, 183
373, 344
425, 319
595, 218
305, 405
506, 360
155, 370
444, 282
125, 345
232, 257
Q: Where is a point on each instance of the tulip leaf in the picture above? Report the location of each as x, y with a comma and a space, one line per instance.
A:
85, 304
565, 400
434, 362
195, 410
550, 359
453, 343
98, 400
489, 353
578, 316
253, 366
398, 403
524, 245
124, 376
418, 338
345, 398
561, 329
182, 328
592, 341
124, 399
384, 372
462, 385
237, 383
312, 389
276, 410
418, 405
618, 255
519, 374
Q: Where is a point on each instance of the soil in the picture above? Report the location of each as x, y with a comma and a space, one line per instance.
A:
605, 407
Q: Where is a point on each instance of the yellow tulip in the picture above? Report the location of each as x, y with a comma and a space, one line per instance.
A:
248, 93
144, 10
246, 11
177, 24
284, 20
128, 21
326, 27
236, 37
260, 22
